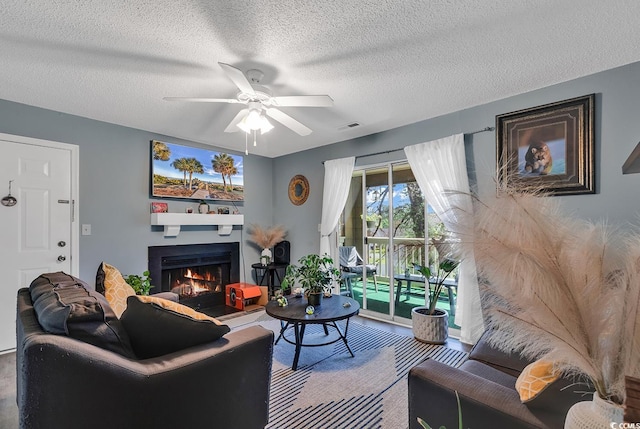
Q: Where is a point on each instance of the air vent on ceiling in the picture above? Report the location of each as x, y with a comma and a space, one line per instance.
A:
348, 126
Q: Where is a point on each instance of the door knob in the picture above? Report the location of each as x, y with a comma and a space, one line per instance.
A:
61, 243
61, 258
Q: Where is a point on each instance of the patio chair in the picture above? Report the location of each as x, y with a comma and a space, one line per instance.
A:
351, 262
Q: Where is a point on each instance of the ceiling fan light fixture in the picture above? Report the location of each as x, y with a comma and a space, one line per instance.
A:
254, 121
244, 127
266, 125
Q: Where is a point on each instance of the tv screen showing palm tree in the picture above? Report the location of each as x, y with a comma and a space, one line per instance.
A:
193, 173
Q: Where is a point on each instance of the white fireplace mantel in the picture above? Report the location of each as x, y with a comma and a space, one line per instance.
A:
173, 221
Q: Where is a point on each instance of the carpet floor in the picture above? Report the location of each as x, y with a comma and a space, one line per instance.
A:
331, 389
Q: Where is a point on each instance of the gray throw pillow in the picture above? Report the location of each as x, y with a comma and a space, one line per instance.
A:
65, 305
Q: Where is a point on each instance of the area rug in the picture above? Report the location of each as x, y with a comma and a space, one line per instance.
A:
331, 389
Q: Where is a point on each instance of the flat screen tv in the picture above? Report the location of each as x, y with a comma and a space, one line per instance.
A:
191, 173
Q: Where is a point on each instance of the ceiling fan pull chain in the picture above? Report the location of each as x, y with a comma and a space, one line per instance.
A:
254, 137
246, 139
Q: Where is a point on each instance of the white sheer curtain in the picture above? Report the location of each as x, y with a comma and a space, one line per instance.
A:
440, 166
337, 178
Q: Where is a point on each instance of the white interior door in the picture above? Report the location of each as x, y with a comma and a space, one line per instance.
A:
37, 233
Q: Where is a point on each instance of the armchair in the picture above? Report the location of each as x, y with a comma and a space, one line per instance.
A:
351, 262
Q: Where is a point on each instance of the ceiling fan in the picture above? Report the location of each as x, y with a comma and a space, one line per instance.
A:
259, 100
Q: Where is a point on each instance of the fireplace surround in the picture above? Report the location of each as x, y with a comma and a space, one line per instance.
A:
198, 273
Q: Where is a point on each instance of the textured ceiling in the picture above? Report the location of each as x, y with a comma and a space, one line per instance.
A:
385, 63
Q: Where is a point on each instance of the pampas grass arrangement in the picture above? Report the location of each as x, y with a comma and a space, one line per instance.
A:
558, 287
266, 237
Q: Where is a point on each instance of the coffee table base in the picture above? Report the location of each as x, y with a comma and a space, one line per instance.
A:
299, 328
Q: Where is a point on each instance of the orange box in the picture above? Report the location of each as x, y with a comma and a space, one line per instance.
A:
240, 295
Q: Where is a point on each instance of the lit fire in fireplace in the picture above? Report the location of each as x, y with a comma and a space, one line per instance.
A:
193, 283
195, 276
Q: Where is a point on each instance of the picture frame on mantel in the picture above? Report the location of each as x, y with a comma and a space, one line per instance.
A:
548, 148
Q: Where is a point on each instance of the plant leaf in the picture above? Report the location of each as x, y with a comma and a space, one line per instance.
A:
423, 423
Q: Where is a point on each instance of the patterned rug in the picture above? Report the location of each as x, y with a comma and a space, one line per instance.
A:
331, 389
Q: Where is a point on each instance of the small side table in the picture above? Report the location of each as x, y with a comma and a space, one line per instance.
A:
448, 283
269, 272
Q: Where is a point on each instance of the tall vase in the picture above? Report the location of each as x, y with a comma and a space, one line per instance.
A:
594, 414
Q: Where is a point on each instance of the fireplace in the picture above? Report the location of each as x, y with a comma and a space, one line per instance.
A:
198, 273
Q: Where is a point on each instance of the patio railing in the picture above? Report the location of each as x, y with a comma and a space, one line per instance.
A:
406, 251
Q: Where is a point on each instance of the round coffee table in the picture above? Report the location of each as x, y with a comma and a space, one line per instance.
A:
294, 316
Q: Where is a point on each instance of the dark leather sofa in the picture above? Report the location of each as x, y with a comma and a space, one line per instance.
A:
66, 383
485, 384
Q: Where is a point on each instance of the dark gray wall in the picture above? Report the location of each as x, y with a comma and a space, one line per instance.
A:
114, 189
617, 131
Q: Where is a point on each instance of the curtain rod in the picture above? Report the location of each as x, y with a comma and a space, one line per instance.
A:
485, 129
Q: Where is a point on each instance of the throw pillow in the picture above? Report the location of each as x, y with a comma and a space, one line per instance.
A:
110, 282
65, 305
157, 326
535, 378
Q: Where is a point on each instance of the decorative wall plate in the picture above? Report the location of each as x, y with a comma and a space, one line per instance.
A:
298, 189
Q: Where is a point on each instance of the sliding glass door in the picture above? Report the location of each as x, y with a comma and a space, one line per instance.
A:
388, 223
384, 219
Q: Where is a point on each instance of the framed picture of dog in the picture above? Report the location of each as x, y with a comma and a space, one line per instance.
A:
547, 148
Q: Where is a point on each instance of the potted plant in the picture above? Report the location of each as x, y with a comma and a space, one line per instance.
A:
315, 274
140, 284
372, 219
431, 324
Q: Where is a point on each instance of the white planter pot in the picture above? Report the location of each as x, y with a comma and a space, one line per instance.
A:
433, 329
593, 414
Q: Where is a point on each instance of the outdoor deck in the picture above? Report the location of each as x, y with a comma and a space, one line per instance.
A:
379, 301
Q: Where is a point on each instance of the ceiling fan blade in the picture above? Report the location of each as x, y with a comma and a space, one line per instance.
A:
202, 100
233, 125
304, 101
289, 122
238, 78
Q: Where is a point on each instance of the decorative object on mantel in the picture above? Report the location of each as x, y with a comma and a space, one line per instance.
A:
632, 164
203, 207
559, 287
173, 221
298, 189
159, 207
266, 238
9, 200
